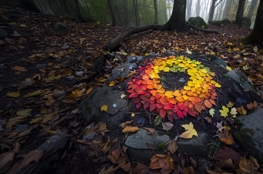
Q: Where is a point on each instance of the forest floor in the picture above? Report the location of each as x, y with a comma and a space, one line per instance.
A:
46, 74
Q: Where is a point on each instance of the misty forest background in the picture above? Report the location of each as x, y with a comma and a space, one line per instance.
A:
140, 12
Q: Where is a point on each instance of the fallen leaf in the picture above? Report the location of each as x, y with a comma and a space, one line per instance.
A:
151, 130
123, 95
32, 156
140, 168
225, 136
19, 68
172, 146
129, 129
190, 131
132, 114
123, 125
157, 120
230, 104
160, 161
104, 108
13, 121
167, 126
24, 112
35, 93
13, 94
212, 112
224, 111
5, 158
227, 153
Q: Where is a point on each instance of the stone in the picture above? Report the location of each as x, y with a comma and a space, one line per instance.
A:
117, 107
134, 59
246, 22
250, 133
141, 145
197, 21
122, 71
3, 33
196, 146
61, 27
144, 140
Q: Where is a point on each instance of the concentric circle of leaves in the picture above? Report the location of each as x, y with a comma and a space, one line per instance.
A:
147, 91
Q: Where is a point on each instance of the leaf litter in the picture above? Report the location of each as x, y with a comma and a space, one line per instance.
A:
60, 82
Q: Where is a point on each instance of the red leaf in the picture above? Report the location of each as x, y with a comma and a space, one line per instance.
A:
146, 105
163, 100
136, 100
162, 113
159, 106
152, 107
133, 95
180, 114
168, 106
170, 118
138, 105
192, 112
175, 109
181, 106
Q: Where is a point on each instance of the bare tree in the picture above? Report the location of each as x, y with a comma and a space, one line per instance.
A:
155, 11
252, 8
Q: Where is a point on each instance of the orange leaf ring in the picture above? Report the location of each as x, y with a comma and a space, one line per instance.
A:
148, 92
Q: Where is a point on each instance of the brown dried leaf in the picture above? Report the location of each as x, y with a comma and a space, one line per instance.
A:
225, 136
19, 68
160, 161
172, 146
140, 168
151, 130
123, 125
5, 158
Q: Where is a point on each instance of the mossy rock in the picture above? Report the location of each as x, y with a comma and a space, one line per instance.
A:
246, 22
197, 21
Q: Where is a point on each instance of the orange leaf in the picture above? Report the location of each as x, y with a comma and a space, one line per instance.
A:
198, 107
153, 92
225, 136
212, 102
207, 104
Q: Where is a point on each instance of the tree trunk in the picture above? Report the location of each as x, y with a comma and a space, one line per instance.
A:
177, 20
155, 11
240, 12
256, 36
135, 6
252, 8
113, 16
165, 11
212, 10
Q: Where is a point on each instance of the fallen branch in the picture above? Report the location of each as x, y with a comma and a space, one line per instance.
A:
115, 43
203, 30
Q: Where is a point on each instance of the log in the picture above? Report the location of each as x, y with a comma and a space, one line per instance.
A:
115, 43
203, 30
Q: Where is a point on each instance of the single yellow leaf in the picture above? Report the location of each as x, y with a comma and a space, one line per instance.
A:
190, 131
13, 94
224, 111
230, 104
35, 93
112, 83
129, 129
132, 114
104, 108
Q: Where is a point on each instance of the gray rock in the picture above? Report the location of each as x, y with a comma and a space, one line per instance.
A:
250, 133
117, 107
134, 59
142, 143
144, 140
3, 33
61, 27
246, 22
123, 70
241, 78
197, 21
196, 146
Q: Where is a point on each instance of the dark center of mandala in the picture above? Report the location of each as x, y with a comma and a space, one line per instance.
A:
173, 81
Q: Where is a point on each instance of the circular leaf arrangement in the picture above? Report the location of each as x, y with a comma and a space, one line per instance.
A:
148, 91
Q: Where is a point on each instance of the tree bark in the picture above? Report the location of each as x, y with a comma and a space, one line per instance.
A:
240, 12
113, 16
256, 36
177, 20
252, 8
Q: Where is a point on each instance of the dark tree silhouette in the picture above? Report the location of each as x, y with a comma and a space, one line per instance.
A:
240, 12
256, 35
